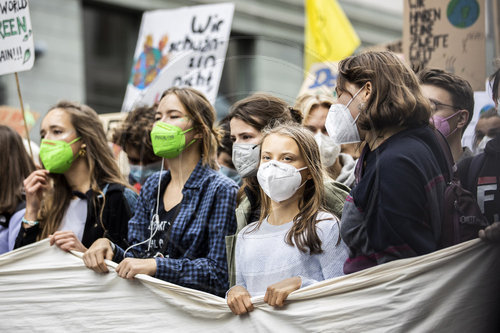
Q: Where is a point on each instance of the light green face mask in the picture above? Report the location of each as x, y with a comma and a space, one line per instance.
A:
57, 155
168, 140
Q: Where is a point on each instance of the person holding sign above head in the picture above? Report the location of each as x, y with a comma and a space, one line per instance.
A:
295, 242
80, 195
395, 209
182, 215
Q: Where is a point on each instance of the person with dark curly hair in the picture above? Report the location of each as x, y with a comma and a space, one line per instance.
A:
134, 137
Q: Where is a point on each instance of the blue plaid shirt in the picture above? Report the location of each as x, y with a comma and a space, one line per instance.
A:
196, 248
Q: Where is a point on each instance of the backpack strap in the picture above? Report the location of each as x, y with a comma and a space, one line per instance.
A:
463, 173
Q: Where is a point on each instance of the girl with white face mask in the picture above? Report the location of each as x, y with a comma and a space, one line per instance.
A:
296, 241
247, 119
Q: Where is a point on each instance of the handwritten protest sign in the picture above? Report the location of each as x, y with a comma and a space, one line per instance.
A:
447, 34
180, 47
17, 51
321, 79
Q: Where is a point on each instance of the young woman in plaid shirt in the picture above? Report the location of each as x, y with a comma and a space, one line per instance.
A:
183, 215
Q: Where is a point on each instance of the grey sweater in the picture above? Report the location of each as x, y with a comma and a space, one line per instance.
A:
263, 258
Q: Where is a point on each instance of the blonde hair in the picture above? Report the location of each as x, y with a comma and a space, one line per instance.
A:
202, 113
307, 103
303, 231
99, 158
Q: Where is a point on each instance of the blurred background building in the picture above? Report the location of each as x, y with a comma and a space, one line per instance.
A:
84, 48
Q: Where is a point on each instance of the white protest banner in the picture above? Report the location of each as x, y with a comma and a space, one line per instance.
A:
17, 51
447, 34
180, 47
452, 290
321, 79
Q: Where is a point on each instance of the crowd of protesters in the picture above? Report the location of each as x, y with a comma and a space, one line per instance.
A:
273, 199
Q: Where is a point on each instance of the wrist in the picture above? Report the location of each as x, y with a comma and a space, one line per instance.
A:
113, 246
30, 214
28, 223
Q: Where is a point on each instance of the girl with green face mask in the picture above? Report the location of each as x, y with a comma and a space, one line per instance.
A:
66, 201
183, 215
57, 155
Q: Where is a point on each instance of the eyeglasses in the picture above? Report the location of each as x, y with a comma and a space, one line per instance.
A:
435, 105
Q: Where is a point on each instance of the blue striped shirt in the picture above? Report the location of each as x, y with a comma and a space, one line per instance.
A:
195, 254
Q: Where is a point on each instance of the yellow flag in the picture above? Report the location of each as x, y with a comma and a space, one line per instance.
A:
329, 36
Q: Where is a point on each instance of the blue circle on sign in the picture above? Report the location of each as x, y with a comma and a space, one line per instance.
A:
463, 13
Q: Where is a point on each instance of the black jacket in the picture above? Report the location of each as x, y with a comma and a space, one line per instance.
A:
115, 218
481, 176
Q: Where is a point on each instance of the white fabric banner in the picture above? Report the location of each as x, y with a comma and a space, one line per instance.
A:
454, 290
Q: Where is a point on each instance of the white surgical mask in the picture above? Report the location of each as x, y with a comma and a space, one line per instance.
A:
328, 149
340, 125
482, 144
279, 180
246, 157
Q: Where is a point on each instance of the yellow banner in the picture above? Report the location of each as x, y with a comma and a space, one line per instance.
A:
329, 36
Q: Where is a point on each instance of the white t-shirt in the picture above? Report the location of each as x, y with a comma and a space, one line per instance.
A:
75, 217
263, 258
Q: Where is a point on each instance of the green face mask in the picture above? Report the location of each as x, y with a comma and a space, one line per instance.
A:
168, 140
57, 155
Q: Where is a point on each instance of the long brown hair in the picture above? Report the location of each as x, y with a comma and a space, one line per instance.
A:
396, 99
202, 113
303, 231
16, 165
99, 158
261, 110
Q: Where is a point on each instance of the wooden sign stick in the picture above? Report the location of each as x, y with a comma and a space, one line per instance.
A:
24, 115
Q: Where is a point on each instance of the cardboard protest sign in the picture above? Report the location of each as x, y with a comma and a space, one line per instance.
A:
13, 117
17, 51
180, 47
110, 121
447, 34
321, 79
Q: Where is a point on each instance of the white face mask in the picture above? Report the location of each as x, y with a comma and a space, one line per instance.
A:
246, 157
482, 144
279, 180
340, 125
328, 149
